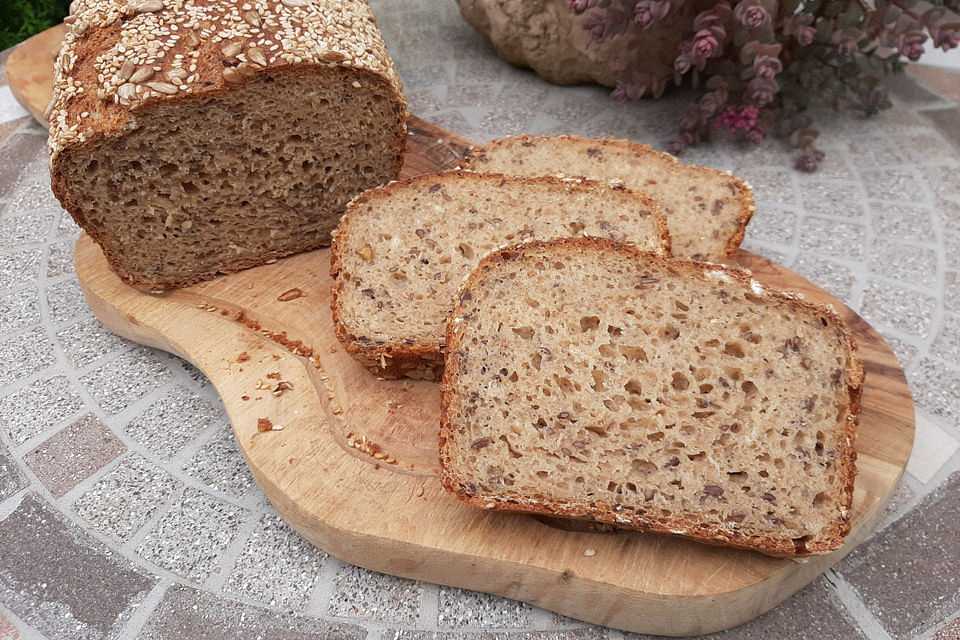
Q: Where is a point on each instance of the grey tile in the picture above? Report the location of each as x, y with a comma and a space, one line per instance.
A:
831, 276
946, 344
188, 614
8, 631
66, 227
949, 631
771, 185
37, 407
277, 566
423, 102
908, 263
773, 225
766, 251
27, 226
19, 267
459, 608
481, 69
54, 576
903, 350
454, 121
907, 574
942, 180
875, 151
832, 198
423, 76
12, 154
65, 301
11, 479
171, 422
189, 539
470, 95
936, 389
368, 595
902, 221
24, 354
927, 148
951, 291
87, 340
947, 122
73, 454
19, 310
32, 194
893, 184
60, 259
831, 238
125, 379
594, 633
219, 465
908, 311
124, 499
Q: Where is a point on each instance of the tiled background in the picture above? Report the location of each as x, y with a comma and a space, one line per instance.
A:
127, 512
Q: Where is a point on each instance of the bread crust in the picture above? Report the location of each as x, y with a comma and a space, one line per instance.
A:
640, 521
79, 121
425, 360
747, 206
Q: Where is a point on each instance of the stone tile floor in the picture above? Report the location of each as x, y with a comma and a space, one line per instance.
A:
126, 510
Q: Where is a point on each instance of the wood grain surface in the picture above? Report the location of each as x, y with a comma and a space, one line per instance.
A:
353, 467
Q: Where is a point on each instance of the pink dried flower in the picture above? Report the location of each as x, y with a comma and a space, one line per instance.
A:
711, 102
761, 91
676, 147
683, 63
767, 66
751, 14
735, 119
911, 44
845, 42
579, 6
945, 39
647, 12
706, 44
754, 137
809, 160
805, 35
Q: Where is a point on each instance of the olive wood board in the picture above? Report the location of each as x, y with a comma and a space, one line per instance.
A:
354, 467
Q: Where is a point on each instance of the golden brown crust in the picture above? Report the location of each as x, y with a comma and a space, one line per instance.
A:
90, 105
747, 206
425, 361
642, 522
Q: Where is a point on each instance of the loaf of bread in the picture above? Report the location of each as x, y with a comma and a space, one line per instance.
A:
401, 251
191, 138
707, 210
585, 378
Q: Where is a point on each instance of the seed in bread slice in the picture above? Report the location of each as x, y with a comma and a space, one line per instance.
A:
401, 251
707, 210
585, 378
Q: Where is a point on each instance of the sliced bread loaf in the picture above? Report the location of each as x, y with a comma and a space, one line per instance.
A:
401, 251
190, 138
585, 378
707, 210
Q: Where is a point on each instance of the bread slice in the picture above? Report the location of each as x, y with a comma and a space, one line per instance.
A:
401, 251
586, 378
707, 210
189, 139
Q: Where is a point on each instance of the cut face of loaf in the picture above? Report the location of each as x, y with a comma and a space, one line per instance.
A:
227, 151
707, 210
585, 378
401, 251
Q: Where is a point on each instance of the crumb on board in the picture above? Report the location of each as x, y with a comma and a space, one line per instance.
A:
243, 357
264, 424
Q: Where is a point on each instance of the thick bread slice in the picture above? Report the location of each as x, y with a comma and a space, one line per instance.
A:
585, 378
707, 210
401, 251
194, 138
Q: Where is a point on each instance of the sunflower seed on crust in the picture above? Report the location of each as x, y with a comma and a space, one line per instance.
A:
150, 6
163, 87
231, 50
142, 75
256, 55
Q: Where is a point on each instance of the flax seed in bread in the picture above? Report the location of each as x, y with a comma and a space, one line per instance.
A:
401, 251
191, 138
707, 210
585, 378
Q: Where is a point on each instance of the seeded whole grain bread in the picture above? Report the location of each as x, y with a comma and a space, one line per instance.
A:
402, 250
191, 138
707, 210
585, 378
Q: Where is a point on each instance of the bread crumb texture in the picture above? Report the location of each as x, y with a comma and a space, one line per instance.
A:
401, 252
193, 137
586, 378
707, 210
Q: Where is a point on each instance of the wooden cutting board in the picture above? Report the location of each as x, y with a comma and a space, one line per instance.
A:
353, 467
